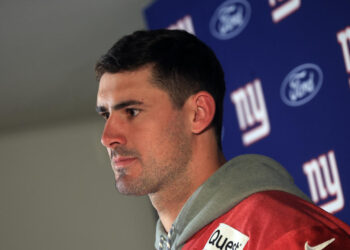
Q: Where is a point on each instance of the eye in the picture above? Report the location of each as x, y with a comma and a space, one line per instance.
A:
105, 115
132, 112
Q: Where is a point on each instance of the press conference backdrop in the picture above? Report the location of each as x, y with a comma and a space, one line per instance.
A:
287, 66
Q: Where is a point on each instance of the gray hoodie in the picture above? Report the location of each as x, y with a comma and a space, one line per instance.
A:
231, 183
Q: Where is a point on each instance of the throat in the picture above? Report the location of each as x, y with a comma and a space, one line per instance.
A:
169, 204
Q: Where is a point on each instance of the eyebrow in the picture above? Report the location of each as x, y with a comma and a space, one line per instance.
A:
118, 106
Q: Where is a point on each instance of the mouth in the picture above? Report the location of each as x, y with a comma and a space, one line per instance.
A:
121, 162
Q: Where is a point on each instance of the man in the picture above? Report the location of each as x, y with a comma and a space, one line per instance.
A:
161, 93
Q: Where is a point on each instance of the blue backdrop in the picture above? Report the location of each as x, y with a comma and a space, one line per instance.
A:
287, 65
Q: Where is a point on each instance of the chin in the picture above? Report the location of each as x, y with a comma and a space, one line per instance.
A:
129, 189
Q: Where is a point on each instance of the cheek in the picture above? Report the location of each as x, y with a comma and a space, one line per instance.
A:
157, 141
172, 136
158, 137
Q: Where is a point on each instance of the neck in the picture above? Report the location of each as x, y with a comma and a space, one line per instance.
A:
169, 203
171, 198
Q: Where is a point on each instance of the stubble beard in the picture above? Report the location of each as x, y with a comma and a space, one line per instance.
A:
161, 171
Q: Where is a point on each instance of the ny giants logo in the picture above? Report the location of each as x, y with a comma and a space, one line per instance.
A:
251, 112
324, 182
301, 84
283, 8
343, 37
184, 23
230, 19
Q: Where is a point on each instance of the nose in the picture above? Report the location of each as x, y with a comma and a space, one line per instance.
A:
113, 135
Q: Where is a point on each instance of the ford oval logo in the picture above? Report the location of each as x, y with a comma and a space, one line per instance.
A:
301, 84
230, 18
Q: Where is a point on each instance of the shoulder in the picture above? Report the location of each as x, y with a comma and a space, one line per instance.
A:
279, 220
280, 213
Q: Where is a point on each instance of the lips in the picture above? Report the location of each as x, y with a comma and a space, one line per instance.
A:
122, 161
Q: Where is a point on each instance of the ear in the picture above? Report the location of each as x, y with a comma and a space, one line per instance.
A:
203, 106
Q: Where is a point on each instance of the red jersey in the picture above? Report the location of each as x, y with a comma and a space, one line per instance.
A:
273, 220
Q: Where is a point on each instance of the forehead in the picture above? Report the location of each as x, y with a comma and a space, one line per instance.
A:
117, 87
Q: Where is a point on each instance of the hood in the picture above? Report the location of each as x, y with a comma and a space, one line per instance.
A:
230, 184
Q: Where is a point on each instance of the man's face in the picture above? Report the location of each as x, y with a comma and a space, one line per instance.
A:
148, 140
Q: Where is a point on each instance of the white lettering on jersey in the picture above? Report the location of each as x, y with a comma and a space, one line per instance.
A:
184, 23
343, 37
251, 110
284, 9
324, 182
226, 237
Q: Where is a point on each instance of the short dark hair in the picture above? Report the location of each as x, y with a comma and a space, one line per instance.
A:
182, 65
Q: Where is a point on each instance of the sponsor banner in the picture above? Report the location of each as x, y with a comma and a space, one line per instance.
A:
229, 19
287, 70
301, 84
